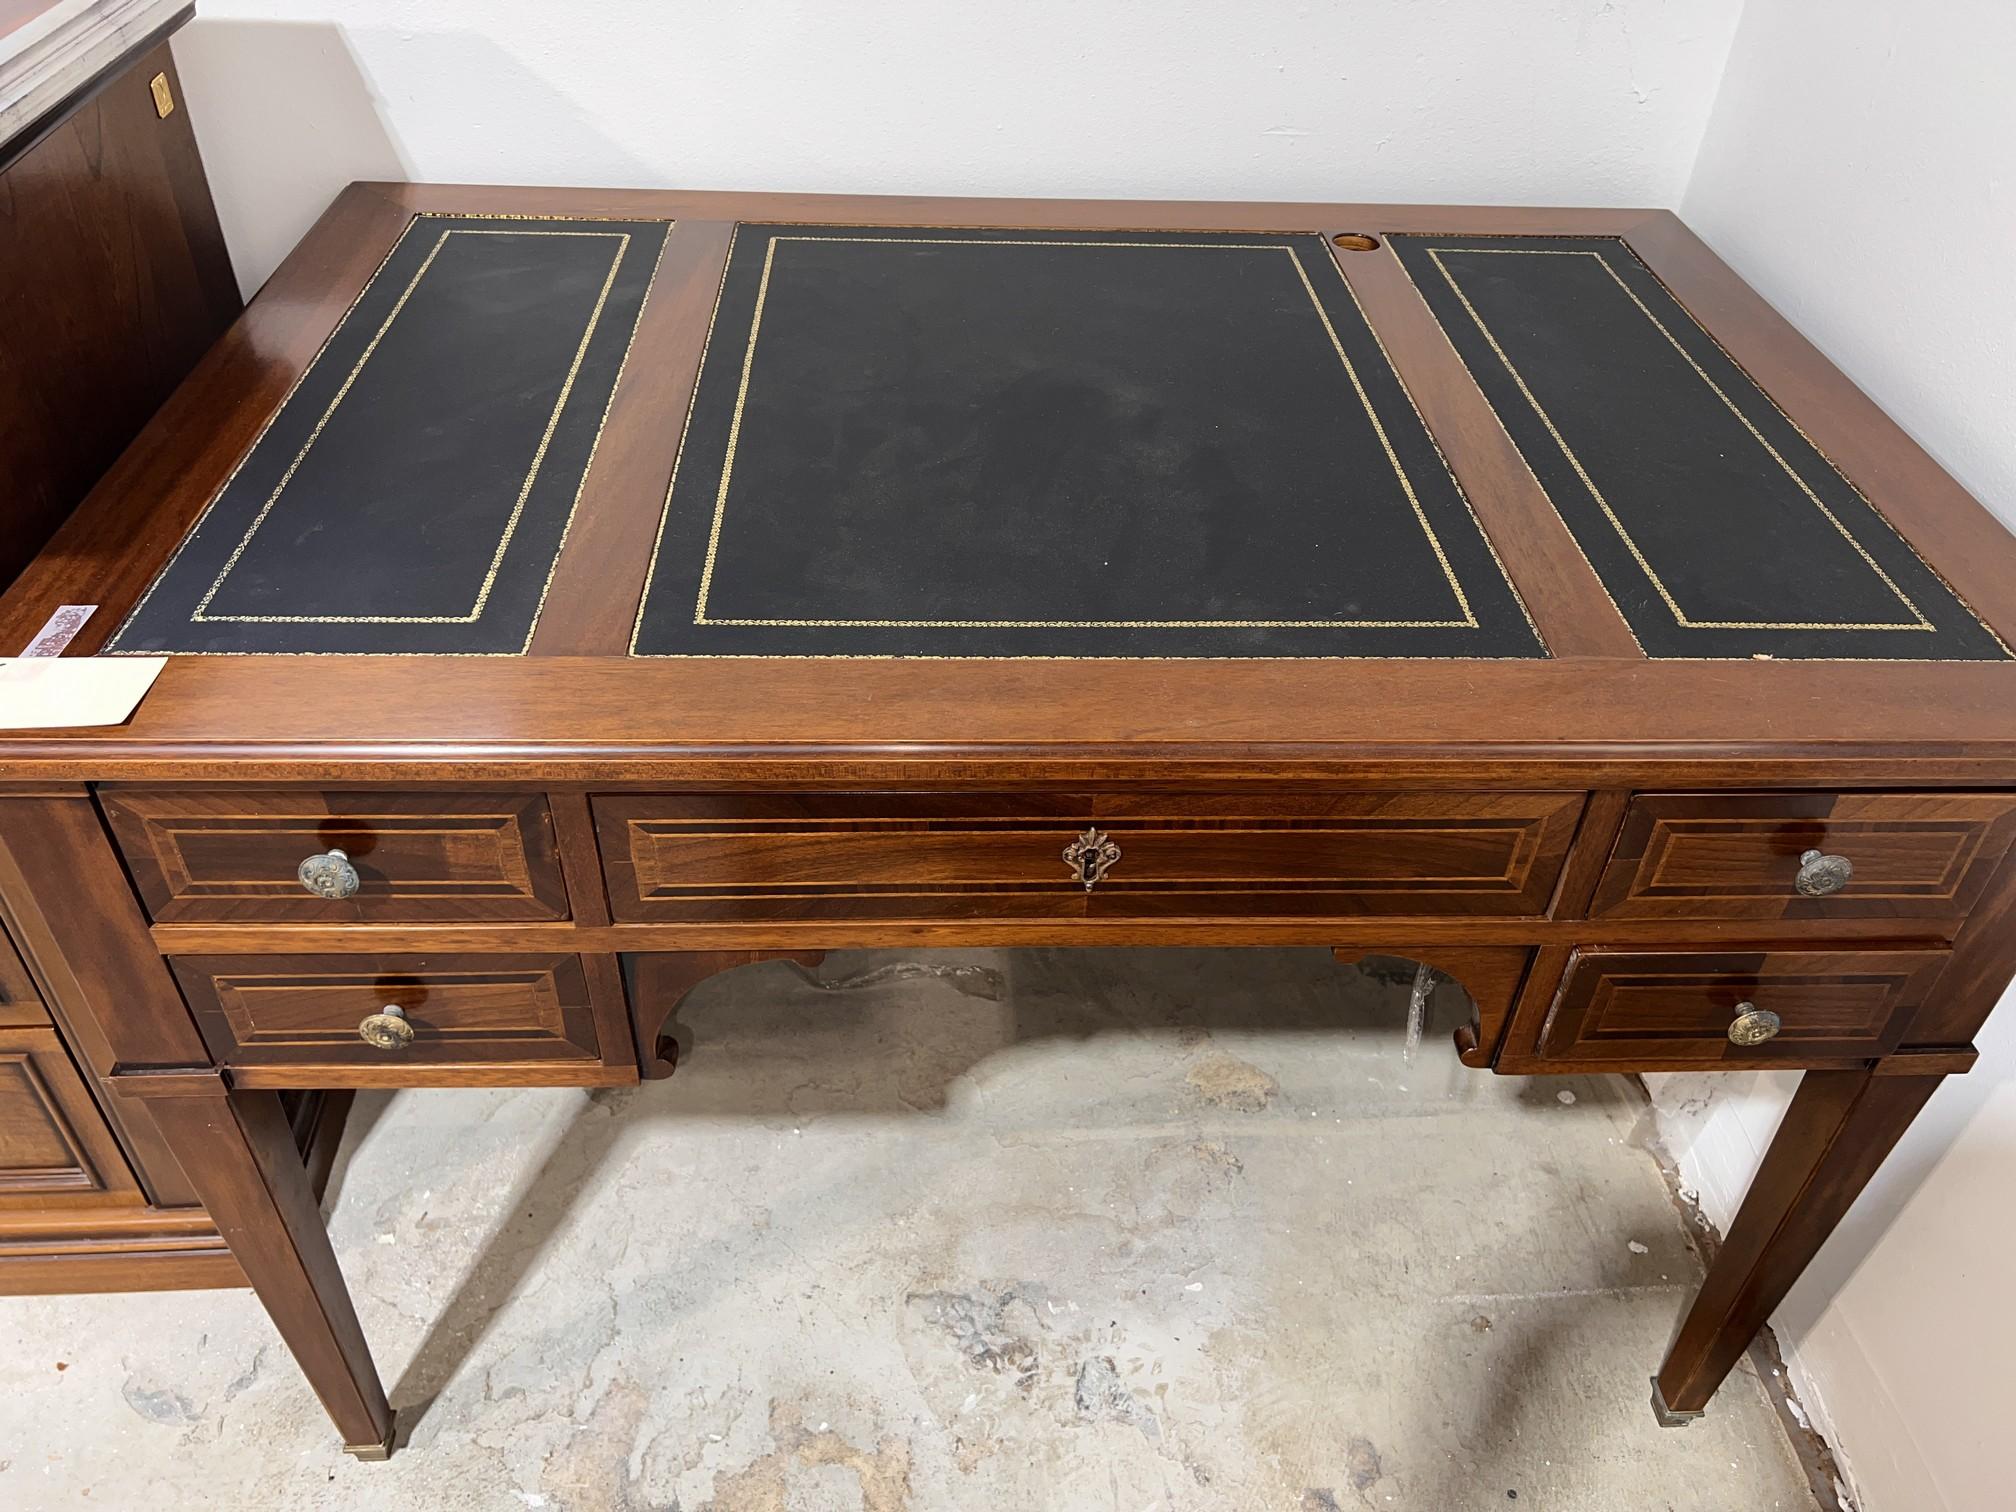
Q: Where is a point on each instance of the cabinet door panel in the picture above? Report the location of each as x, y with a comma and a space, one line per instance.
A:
55, 1150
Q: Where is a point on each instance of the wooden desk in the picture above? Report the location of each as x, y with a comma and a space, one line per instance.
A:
1437, 582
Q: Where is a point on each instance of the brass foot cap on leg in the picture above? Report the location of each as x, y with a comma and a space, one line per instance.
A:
1668, 1418
375, 1452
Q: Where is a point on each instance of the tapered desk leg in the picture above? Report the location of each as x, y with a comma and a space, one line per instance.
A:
240, 1156
1836, 1133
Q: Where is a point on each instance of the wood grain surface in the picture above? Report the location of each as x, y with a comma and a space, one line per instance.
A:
114, 281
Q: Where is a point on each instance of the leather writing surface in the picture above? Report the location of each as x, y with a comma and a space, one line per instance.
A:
937, 442
1718, 528
413, 492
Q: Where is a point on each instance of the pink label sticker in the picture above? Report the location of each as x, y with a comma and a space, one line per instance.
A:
59, 630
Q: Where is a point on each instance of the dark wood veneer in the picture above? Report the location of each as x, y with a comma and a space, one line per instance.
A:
114, 280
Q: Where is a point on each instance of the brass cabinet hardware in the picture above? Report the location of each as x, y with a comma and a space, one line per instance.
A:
164, 97
387, 1029
1091, 856
329, 876
1753, 1025
1821, 874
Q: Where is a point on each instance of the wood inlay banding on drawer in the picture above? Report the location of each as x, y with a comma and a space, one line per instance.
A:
1410, 853
1720, 856
846, 855
1678, 1005
704, 857
231, 857
295, 1010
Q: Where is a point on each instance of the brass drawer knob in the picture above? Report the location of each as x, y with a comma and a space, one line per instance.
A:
329, 875
1821, 874
1753, 1025
1091, 856
389, 1029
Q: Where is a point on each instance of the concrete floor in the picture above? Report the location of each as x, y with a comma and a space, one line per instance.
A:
1103, 1229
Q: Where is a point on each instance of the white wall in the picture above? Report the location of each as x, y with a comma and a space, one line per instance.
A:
1860, 170
1543, 101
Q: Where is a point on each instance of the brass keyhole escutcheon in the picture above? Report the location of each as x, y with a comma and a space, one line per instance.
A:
1091, 856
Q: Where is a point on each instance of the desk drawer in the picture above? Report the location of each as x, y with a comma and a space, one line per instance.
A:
307, 1010
232, 856
1718, 856
1625, 1005
700, 857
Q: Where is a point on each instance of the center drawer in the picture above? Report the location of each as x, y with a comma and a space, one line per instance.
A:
721, 857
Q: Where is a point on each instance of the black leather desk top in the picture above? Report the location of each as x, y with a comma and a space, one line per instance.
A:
928, 442
413, 492
1717, 527
931, 442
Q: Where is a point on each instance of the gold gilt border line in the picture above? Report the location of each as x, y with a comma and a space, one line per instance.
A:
701, 617
1609, 513
201, 615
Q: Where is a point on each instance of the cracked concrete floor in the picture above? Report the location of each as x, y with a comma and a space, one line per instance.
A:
1099, 1229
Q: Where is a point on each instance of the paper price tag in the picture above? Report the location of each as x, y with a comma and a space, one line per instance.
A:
77, 692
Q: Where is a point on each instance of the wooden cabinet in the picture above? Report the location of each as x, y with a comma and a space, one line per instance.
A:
233, 857
114, 281
708, 857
